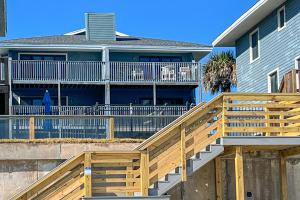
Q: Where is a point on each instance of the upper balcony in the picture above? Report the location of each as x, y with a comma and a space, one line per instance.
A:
96, 72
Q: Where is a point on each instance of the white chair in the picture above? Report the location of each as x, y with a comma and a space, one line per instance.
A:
138, 75
185, 73
168, 73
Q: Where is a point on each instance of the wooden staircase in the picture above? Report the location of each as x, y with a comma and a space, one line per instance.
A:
174, 153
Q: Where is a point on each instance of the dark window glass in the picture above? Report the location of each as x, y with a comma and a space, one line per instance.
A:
42, 57
281, 18
298, 63
160, 59
274, 82
254, 45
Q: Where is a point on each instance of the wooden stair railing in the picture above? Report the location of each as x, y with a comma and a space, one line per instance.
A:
132, 173
290, 82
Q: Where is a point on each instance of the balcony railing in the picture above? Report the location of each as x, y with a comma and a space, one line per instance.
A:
81, 126
97, 72
114, 110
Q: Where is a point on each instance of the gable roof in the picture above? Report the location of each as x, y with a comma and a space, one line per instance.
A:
81, 40
247, 21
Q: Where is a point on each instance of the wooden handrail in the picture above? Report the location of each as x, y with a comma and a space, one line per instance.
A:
230, 114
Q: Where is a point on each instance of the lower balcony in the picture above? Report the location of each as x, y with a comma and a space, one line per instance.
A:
113, 110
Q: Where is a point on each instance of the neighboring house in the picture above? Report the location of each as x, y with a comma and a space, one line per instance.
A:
267, 41
2, 18
98, 71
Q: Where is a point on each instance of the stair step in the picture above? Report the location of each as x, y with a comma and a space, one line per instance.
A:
294, 125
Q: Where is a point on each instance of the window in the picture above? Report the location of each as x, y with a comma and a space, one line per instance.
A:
160, 59
42, 57
273, 81
281, 18
297, 62
254, 46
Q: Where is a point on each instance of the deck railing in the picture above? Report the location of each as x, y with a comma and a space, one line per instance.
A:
2, 72
102, 110
234, 115
81, 126
96, 71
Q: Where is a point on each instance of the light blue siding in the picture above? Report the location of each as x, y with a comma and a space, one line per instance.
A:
278, 49
134, 57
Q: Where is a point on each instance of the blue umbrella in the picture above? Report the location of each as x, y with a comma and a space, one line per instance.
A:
47, 102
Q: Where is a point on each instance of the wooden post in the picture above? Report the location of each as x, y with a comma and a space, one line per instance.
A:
223, 119
267, 124
144, 170
283, 178
129, 176
111, 128
239, 174
281, 117
31, 128
219, 187
183, 155
88, 175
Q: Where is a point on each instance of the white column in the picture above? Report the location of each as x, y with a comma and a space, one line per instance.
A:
154, 94
10, 85
105, 58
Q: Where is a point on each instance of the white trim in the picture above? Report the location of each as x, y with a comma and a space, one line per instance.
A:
269, 79
297, 66
84, 30
100, 47
250, 45
42, 53
278, 18
249, 19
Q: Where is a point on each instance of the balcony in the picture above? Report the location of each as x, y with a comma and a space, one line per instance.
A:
113, 110
98, 72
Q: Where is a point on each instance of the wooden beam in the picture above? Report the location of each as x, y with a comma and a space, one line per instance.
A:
219, 186
291, 152
88, 175
31, 128
283, 178
183, 154
111, 128
239, 174
144, 170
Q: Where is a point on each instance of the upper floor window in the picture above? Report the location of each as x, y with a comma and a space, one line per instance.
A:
56, 57
281, 19
273, 81
160, 59
254, 46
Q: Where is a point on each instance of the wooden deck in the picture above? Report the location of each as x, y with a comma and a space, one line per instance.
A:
256, 118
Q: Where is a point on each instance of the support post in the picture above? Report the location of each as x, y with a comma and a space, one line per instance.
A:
223, 119
31, 128
283, 178
219, 186
111, 128
183, 154
129, 176
10, 85
88, 174
144, 170
154, 94
239, 174
59, 98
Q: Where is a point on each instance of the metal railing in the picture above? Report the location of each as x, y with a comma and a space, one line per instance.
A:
97, 71
82, 126
102, 110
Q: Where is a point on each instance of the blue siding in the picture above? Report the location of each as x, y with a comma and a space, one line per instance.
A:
134, 57
72, 56
278, 49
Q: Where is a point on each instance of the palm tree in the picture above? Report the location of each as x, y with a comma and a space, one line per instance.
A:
220, 73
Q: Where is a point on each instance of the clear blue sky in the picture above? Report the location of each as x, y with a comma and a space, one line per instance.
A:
190, 20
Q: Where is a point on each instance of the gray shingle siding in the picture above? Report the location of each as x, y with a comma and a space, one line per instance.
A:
278, 49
